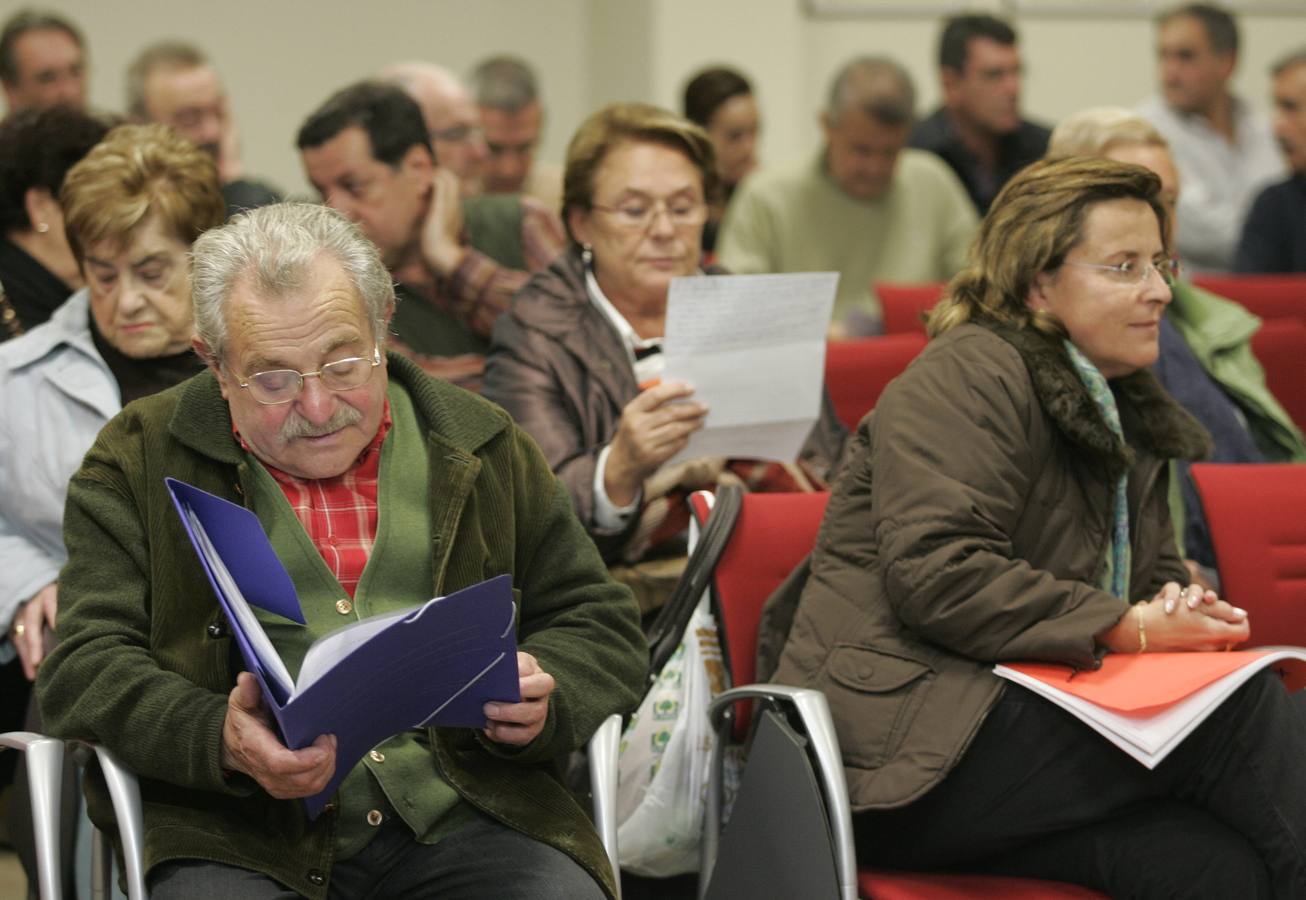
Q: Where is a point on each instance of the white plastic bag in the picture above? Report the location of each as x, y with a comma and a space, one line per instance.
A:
665, 753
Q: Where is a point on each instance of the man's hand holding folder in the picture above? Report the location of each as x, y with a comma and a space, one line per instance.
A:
520, 723
250, 745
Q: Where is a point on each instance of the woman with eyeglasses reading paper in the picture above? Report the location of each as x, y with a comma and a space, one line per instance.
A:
1006, 501
577, 359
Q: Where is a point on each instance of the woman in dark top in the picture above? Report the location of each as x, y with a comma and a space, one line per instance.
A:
720, 101
37, 270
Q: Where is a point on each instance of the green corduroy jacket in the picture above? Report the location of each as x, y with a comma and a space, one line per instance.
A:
145, 662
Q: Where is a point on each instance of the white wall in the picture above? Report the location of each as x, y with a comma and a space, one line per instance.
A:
281, 58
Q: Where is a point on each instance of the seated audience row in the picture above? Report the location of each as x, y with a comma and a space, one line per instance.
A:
1025, 454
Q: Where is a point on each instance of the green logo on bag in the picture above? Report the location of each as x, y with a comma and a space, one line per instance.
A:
659, 739
665, 709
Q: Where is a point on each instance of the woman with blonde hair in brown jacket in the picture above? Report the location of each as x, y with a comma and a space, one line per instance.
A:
1006, 501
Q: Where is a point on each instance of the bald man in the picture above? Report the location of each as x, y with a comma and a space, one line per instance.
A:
451, 118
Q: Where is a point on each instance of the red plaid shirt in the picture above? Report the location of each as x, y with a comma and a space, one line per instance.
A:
339, 513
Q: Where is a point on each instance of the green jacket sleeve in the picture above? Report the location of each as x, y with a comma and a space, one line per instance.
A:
102, 682
580, 624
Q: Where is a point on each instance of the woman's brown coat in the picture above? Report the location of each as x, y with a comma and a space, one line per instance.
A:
968, 528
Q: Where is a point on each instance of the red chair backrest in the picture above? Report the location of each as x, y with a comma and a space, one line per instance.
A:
1268, 296
1280, 345
1259, 531
771, 536
903, 305
857, 372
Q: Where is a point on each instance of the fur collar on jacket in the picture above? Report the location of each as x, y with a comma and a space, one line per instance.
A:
1151, 418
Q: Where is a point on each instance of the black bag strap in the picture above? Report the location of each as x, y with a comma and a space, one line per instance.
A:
668, 628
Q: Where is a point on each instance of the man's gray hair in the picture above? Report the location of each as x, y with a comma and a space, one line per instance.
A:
505, 83
273, 249
1295, 58
172, 56
877, 86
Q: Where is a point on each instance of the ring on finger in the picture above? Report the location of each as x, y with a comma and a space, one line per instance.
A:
19, 629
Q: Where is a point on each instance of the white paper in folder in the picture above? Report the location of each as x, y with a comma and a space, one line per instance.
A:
753, 348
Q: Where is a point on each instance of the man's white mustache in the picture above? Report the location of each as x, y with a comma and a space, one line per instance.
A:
296, 426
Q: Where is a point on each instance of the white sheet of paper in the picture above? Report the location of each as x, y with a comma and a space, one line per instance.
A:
273, 665
753, 348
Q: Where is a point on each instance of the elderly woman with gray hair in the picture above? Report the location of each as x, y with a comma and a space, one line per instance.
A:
1206, 360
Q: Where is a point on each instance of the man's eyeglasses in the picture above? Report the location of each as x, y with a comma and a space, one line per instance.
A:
1134, 272
283, 385
639, 214
502, 150
456, 134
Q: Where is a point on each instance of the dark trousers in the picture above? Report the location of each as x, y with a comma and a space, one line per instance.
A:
1039, 794
484, 859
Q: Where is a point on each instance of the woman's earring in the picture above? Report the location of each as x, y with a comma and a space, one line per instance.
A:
42, 227
587, 255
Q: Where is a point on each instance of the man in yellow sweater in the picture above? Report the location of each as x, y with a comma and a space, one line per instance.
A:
865, 206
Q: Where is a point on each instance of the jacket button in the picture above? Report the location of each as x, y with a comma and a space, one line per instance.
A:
374, 817
377, 756
865, 672
316, 877
344, 607
216, 630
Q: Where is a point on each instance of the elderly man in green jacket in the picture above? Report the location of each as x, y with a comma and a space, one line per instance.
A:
378, 487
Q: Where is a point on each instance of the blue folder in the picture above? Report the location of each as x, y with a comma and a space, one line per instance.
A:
435, 666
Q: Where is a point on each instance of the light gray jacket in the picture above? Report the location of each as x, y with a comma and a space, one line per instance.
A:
56, 393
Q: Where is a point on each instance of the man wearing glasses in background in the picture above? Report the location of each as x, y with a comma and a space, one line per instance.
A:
378, 487
458, 260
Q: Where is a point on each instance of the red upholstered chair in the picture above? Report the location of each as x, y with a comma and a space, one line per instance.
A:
1259, 532
769, 536
857, 371
1268, 296
1280, 345
904, 305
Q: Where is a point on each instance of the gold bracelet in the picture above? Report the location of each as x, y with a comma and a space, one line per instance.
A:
1142, 631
